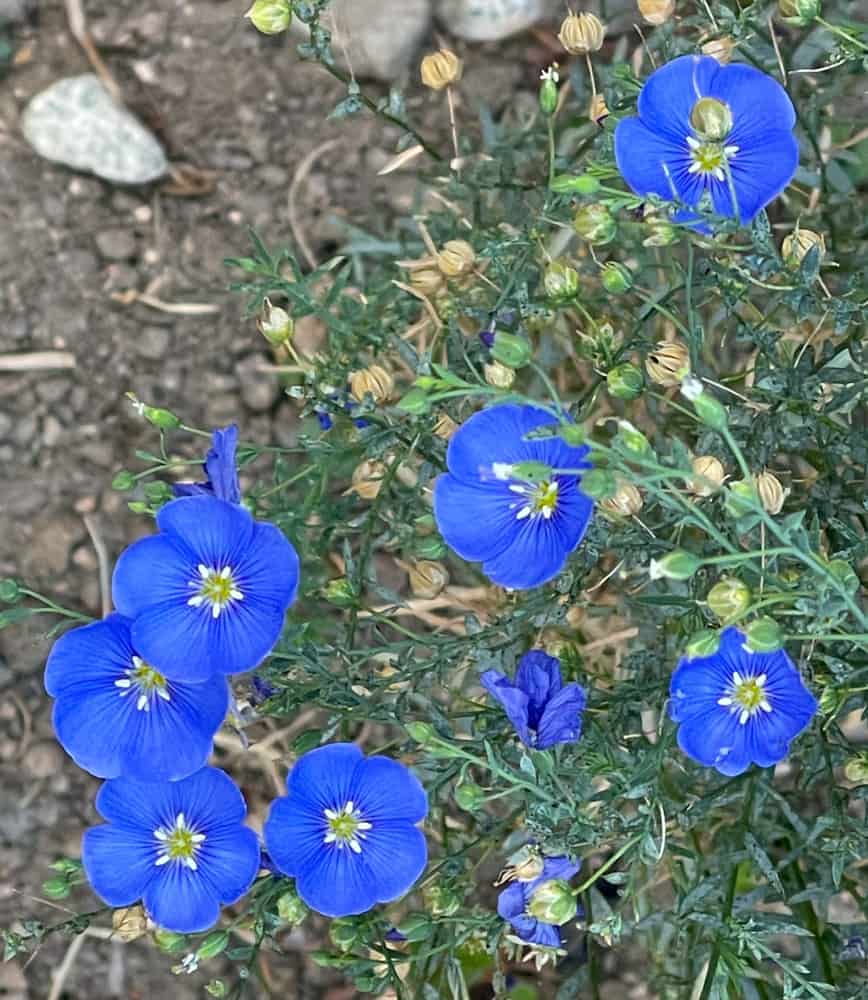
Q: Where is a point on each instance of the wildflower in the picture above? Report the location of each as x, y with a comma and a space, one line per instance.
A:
209, 593
181, 847
514, 903
543, 710
737, 707
700, 121
220, 470
347, 830
521, 531
119, 717
668, 363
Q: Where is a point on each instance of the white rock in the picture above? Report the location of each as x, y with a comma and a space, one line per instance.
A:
489, 20
77, 122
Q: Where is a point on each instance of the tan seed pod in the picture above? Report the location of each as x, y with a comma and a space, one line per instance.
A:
668, 363
428, 578
367, 479
441, 69
457, 258
795, 247
581, 34
427, 280
625, 502
498, 375
771, 492
720, 49
710, 475
129, 923
375, 381
598, 110
445, 426
656, 11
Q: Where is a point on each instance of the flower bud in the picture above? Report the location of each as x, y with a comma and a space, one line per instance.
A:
10, 591
598, 484
525, 865
123, 481
625, 381
581, 34
129, 923
271, 17
275, 324
771, 492
375, 381
560, 280
441, 69
581, 184
445, 427
711, 119
844, 573
799, 12
630, 438
457, 258
164, 419
702, 643
720, 49
548, 90
741, 498
856, 769
213, 945
510, 349
469, 796
553, 902
426, 280
656, 11
729, 598
668, 363
660, 233
498, 375
291, 909
709, 410
421, 732
616, 278
677, 565
710, 475
595, 224
367, 479
428, 578
797, 245
624, 502
763, 635
340, 592
415, 401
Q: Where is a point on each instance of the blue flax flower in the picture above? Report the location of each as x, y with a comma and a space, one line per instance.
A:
347, 830
118, 717
521, 532
514, 902
209, 593
543, 710
738, 708
180, 847
220, 469
698, 121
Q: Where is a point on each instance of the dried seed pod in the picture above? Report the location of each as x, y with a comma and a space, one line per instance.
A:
720, 49
129, 923
427, 280
581, 34
710, 475
428, 578
368, 479
445, 426
771, 492
656, 11
441, 69
800, 241
626, 502
498, 375
275, 324
375, 381
457, 258
598, 110
668, 363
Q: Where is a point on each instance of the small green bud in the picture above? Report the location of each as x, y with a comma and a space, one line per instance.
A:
213, 945
856, 769
169, 941
469, 796
271, 17
843, 572
741, 498
416, 926
430, 547
137, 507
415, 401
616, 278
548, 91
10, 591
729, 598
443, 900
596, 224
560, 280
216, 988
164, 419
553, 902
421, 732
677, 565
340, 592
123, 481
56, 888
660, 233
275, 324
599, 484
711, 119
510, 349
581, 184
801, 13
708, 409
632, 439
573, 434
291, 909
344, 934
763, 635
625, 381
532, 472
702, 643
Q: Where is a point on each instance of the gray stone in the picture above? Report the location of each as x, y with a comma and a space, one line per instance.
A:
152, 342
116, 244
259, 389
489, 20
15, 11
6, 424
52, 431
76, 122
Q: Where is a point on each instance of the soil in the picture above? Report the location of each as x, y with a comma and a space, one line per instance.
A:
223, 98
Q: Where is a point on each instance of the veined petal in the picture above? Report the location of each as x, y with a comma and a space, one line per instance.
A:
337, 882
150, 571
180, 900
386, 791
183, 640
214, 532
476, 521
89, 656
561, 720
324, 777
513, 700
539, 676
669, 94
396, 855
294, 832
220, 465
269, 567
645, 158
229, 860
118, 862
758, 103
511, 902
760, 171
715, 739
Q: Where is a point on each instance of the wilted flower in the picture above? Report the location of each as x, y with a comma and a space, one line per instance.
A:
221, 472
625, 502
374, 381
457, 258
771, 493
797, 245
720, 49
367, 480
498, 375
668, 363
441, 69
514, 903
428, 578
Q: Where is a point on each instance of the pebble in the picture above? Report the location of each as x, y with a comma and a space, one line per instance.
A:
52, 431
43, 759
116, 244
6, 424
52, 390
13, 985
489, 20
152, 342
259, 389
15, 11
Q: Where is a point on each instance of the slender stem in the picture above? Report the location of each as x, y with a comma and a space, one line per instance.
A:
450, 100
842, 34
550, 122
616, 857
593, 957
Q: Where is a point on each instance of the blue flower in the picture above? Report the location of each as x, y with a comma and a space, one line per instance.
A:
521, 532
543, 710
209, 593
118, 717
347, 830
514, 901
180, 847
698, 120
738, 708
220, 470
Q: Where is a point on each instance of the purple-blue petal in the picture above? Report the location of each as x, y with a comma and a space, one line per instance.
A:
669, 94
539, 676
221, 467
561, 721
513, 701
761, 169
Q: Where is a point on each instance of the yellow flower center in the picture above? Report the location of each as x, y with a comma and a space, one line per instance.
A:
215, 588
709, 157
541, 499
179, 843
345, 827
746, 696
148, 682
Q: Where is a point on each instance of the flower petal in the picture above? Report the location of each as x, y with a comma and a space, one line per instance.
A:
561, 721
513, 701
337, 883
758, 103
511, 901
476, 521
539, 676
396, 854
561, 867
119, 863
150, 571
214, 532
294, 832
220, 465
761, 169
668, 96
269, 567
180, 900
229, 859
644, 158
716, 739
324, 777
384, 790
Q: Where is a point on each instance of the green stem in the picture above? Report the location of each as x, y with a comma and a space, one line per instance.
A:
842, 34
616, 857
